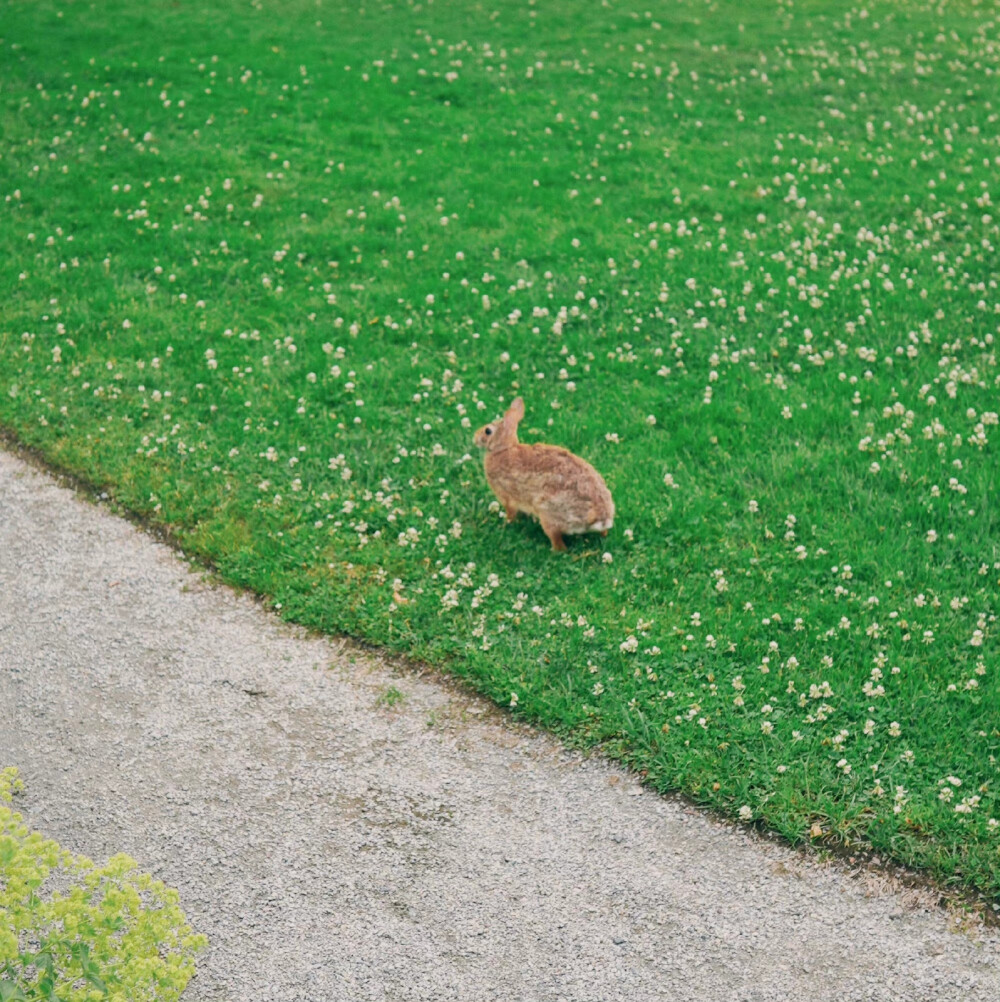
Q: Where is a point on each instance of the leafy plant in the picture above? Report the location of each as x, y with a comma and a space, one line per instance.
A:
73, 931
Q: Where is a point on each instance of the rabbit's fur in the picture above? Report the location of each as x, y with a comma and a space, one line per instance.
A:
564, 492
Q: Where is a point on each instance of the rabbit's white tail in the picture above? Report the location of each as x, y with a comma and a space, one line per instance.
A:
601, 526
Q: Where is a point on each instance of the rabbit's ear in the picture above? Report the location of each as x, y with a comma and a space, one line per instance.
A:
514, 413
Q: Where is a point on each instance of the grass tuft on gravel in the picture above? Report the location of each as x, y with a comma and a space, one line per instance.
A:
268, 266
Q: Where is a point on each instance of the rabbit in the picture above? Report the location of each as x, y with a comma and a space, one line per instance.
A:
565, 493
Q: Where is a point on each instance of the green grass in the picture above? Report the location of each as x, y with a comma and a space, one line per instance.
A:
743, 261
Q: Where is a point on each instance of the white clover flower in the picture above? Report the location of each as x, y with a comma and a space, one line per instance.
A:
900, 800
745, 813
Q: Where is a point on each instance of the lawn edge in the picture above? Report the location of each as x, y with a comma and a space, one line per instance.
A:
970, 911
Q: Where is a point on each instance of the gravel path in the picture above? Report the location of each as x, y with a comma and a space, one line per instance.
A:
334, 848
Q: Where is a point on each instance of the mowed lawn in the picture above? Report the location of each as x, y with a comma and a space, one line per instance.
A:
267, 266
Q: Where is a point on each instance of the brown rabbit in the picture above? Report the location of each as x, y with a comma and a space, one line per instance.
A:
565, 493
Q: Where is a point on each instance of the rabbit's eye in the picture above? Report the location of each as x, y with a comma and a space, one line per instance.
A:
489, 431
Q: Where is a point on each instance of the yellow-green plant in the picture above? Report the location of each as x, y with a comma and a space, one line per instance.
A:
72, 931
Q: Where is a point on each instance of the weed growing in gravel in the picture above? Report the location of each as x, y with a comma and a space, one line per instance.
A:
390, 697
741, 260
